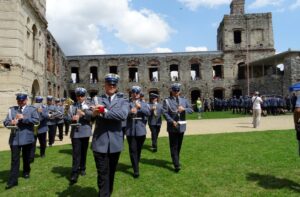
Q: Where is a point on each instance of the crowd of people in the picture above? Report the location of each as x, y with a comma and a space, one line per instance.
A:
271, 105
113, 117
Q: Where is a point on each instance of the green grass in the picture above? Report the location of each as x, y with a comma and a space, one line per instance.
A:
237, 164
218, 115
215, 115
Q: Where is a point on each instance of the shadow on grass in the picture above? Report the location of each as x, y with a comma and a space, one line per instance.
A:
158, 163
4, 175
272, 182
124, 168
62, 171
66, 151
76, 190
147, 147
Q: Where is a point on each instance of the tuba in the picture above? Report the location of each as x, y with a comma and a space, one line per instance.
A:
67, 104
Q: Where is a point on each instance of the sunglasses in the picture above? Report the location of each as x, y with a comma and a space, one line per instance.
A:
113, 85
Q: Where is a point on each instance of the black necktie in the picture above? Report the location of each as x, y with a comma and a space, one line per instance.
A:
177, 100
109, 99
20, 109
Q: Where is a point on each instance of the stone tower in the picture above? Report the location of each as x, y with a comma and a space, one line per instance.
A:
244, 38
237, 7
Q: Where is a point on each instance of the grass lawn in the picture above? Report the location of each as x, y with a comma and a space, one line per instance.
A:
215, 115
218, 115
237, 164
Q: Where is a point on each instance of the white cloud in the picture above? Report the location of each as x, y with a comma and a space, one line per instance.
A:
77, 25
161, 50
191, 48
264, 3
295, 5
194, 4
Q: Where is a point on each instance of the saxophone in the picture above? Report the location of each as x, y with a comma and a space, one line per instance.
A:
36, 126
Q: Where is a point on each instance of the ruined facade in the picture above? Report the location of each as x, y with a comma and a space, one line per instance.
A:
27, 50
32, 61
241, 39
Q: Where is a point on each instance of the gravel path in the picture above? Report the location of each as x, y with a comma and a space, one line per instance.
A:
196, 127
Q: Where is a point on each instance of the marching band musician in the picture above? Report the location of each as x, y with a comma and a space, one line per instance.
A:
174, 110
154, 120
109, 112
41, 129
51, 120
136, 128
60, 119
66, 121
24, 117
81, 114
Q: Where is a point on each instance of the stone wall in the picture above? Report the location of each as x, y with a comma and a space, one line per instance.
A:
23, 60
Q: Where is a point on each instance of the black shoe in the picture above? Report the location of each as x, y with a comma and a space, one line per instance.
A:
136, 175
11, 185
31, 160
26, 175
42, 156
74, 178
177, 168
154, 150
83, 173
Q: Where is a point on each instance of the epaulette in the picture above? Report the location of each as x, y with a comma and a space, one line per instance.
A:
14, 107
120, 95
32, 106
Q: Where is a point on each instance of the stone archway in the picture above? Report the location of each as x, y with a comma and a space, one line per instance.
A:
195, 94
35, 89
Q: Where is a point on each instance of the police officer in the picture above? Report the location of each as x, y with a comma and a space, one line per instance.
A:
175, 108
81, 114
60, 119
51, 120
66, 119
124, 122
109, 112
23, 117
154, 120
136, 128
42, 128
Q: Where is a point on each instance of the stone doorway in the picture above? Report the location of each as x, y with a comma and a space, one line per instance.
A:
35, 90
195, 94
237, 93
219, 93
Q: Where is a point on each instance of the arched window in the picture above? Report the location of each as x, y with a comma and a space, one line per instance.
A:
174, 72
34, 47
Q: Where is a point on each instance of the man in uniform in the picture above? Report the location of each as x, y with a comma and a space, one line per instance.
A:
136, 128
23, 117
51, 120
80, 133
41, 129
175, 108
66, 120
109, 112
60, 119
154, 120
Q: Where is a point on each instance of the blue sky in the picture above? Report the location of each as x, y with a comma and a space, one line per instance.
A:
143, 26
